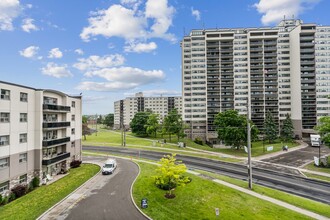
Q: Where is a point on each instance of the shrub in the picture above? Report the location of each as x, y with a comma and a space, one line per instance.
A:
75, 163
5, 200
198, 141
18, 191
11, 197
35, 182
1, 199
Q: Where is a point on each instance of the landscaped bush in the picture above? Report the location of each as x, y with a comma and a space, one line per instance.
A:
75, 163
18, 191
35, 182
198, 141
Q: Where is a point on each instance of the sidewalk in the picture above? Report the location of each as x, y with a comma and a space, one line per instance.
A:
59, 209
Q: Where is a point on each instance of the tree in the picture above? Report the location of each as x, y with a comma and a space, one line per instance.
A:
138, 123
173, 124
84, 119
152, 124
270, 128
323, 128
109, 120
99, 119
232, 127
86, 130
170, 174
287, 128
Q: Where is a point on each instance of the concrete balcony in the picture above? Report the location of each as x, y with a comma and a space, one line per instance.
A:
47, 143
63, 124
56, 108
56, 158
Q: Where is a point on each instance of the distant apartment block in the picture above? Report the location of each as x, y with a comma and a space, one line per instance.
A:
40, 133
282, 70
126, 109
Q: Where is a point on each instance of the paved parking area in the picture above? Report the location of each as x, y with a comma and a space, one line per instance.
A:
299, 157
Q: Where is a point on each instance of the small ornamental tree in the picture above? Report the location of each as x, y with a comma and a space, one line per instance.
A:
170, 174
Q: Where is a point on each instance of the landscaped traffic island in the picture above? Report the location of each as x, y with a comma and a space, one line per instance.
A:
200, 198
33, 204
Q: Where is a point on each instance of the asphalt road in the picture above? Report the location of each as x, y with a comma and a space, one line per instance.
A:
313, 189
298, 158
112, 200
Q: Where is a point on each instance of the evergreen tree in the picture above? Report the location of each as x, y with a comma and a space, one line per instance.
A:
287, 128
270, 128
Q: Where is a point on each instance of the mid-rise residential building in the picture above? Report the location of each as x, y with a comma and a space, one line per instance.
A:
40, 133
283, 70
126, 109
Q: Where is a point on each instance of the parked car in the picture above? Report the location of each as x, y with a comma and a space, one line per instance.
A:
109, 166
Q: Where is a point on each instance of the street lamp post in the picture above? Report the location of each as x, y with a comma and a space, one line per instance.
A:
249, 144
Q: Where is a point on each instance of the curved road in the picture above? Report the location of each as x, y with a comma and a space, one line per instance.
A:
312, 189
104, 197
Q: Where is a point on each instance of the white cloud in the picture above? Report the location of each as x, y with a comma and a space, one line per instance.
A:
150, 21
55, 70
196, 14
141, 47
9, 10
105, 86
92, 99
162, 15
79, 51
29, 52
115, 21
55, 53
28, 25
96, 62
274, 11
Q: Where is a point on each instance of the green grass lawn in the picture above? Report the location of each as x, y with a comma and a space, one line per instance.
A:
317, 207
32, 205
107, 137
199, 199
318, 177
315, 168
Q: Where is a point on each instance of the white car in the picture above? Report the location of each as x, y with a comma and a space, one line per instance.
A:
109, 166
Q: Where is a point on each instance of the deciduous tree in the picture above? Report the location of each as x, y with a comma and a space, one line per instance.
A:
153, 124
324, 129
139, 122
170, 174
109, 120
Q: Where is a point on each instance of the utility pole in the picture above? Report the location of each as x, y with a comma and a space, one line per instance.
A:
249, 144
96, 125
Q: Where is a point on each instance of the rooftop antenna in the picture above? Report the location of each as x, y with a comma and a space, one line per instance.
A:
203, 26
184, 31
293, 16
284, 17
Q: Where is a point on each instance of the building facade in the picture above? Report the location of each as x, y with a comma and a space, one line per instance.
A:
282, 70
124, 110
40, 133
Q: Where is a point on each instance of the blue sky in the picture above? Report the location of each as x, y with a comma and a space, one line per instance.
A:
109, 49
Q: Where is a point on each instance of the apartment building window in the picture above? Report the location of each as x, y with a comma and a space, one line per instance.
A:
23, 138
4, 140
73, 104
50, 101
4, 162
5, 94
73, 131
23, 97
4, 117
4, 187
73, 117
73, 144
23, 117
23, 158
23, 179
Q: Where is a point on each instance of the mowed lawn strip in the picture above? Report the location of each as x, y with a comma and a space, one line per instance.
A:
313, 206
33, 204
109, 137
198, 200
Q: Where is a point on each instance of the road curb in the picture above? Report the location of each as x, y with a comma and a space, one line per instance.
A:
54, 206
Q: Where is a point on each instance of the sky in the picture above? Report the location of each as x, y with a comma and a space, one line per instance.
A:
108, 50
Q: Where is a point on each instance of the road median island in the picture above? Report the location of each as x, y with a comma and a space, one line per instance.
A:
199, 199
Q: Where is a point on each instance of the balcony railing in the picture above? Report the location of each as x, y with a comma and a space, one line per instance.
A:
47, 143
55, 124
56, 107
55, 159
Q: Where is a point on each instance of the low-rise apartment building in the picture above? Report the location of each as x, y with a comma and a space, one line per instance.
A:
40, 133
